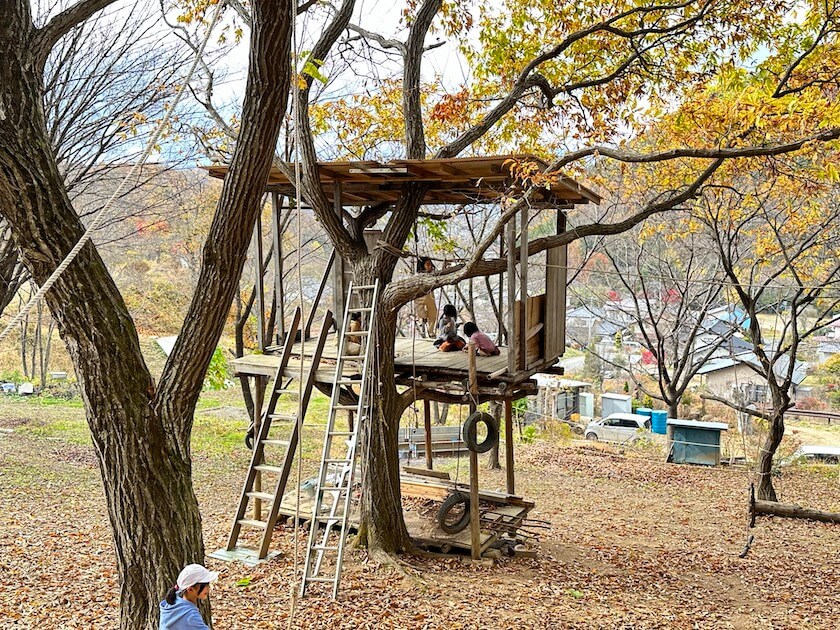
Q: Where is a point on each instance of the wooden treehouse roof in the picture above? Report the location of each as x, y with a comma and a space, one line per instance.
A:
451, 181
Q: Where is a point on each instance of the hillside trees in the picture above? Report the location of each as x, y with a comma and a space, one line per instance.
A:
669, 280
103, 82
779, 245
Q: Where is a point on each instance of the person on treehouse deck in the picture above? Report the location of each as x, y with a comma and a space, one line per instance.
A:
425, 308
484, 346
179, 610
448, 339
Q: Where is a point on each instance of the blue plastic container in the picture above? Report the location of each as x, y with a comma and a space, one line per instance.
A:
659, 421
644, 411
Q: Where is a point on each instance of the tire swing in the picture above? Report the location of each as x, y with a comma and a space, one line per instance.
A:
469, 432
448, 515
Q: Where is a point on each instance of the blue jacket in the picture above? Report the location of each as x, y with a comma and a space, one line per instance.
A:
182, 615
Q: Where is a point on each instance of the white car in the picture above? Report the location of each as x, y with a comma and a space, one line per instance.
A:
618, 427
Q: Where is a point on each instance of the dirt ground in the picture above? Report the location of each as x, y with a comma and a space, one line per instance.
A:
634, 543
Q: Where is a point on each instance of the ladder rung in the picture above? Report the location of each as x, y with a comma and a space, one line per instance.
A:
325, 518
276, 442
283, 416
360, 287
364, 309
262, 496
353, 333
346, 407
247, 522
352, 357
349, 381
337, 461
341, 433
267, 468
320, 579
323, 548
334, 489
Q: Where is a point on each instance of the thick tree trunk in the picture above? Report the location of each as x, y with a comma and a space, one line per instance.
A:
141, 439
145, 469
382, 527
775, 433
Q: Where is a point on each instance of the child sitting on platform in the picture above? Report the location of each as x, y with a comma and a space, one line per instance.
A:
448, 339
484, 346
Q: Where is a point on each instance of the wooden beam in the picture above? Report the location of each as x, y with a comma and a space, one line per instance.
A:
259, 398
427, 425
509, 476
259, 288
279, 293
318, 295
338, 266
511, 291
473, 374
522, 333
475, 524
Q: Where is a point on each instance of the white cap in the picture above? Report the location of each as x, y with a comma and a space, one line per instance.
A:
195, 574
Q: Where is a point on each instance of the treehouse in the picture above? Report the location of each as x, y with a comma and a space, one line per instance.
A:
527, 290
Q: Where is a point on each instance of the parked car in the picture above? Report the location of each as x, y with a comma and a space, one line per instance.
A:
618, 427
814, 453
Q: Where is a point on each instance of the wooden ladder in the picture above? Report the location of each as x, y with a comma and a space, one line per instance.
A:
335, 479
264, 439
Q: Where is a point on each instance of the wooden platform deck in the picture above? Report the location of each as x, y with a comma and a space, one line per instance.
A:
411, 357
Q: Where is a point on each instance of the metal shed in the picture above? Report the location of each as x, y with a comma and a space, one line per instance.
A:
691, 442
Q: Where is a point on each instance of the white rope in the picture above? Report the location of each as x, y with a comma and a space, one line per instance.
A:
100, 216
295, 105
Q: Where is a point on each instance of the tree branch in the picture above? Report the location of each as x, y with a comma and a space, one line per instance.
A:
63, 23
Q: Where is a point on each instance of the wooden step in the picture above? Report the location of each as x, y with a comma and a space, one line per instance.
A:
283, 416
262, 496
270, 469
274, 442
247, 522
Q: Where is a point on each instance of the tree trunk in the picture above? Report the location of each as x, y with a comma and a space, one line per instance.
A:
142, 440
775, 433
382, 524
143, 467
674, 409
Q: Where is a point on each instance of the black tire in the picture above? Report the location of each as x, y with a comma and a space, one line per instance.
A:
452, 502
577, 430
469, 432
249, 438
592, 437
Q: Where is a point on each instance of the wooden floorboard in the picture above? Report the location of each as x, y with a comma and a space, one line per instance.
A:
418, 354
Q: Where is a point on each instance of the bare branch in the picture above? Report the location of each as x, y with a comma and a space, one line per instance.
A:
63, 23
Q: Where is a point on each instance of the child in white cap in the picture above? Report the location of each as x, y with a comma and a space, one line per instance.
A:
179, 610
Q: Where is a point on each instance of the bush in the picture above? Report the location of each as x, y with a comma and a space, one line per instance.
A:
529, 434
218, 374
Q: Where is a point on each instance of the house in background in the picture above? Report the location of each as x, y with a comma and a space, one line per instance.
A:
726, 376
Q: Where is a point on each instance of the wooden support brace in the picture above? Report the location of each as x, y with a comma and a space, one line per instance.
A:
427, 425
509, 447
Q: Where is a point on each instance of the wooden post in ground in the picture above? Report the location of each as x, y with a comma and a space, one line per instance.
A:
279, 293
259, 288
427, 425
509, 446
512, 339
475, 525
259, 399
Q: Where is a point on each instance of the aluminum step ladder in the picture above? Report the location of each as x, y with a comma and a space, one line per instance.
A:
269, 465
335, 479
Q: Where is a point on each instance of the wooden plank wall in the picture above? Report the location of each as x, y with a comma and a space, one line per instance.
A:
555, 295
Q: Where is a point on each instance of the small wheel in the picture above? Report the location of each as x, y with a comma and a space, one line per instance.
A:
577, 430
470, 433
450, 518
592, 437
